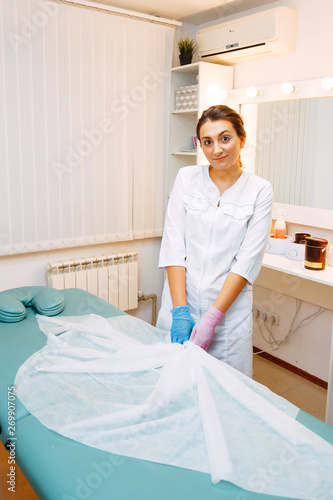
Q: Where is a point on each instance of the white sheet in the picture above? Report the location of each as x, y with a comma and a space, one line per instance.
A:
138, 395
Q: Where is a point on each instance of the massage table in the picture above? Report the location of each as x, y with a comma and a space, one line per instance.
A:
59, 468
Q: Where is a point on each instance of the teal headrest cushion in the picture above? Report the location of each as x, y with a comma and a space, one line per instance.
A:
47, 301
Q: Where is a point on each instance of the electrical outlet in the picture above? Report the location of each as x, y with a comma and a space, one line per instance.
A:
269, 316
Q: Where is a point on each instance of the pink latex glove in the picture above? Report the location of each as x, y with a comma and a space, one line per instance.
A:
203, 331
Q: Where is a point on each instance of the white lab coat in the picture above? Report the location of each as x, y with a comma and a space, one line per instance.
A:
211, 235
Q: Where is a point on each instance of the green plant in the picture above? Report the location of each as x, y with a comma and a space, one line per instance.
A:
186, 46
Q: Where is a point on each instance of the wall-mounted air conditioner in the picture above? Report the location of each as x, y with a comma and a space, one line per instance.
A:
270, 32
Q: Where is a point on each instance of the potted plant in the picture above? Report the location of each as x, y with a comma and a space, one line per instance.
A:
186, 47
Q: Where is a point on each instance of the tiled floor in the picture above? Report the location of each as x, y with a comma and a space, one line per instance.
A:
304, 394
299, 391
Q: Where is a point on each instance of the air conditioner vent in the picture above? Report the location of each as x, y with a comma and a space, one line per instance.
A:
271, 32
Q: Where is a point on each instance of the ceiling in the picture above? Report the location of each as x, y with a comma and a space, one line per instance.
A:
190, 11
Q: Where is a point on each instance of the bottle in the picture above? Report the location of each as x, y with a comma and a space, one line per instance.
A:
280, 226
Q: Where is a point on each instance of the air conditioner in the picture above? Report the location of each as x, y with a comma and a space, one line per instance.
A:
270, 32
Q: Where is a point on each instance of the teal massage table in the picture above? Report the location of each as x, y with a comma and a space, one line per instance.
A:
61, 469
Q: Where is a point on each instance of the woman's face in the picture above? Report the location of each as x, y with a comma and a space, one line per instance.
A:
221, 144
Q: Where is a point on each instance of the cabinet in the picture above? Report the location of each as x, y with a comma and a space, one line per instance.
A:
211, 80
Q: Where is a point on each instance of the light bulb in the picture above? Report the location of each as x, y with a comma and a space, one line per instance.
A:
327, 83
224, 94
287, 88
252, 92
215, 94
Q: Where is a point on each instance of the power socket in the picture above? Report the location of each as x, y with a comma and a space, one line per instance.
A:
268, 316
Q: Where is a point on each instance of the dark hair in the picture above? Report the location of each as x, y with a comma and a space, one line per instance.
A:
221, 112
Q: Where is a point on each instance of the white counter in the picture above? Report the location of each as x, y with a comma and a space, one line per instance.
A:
296, 268
290, 277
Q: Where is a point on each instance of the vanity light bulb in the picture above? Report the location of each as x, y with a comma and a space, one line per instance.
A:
215, 94
327, 83
252, 92
223, 94
287, 88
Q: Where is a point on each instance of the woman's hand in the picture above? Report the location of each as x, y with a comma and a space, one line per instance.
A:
182, 324
204, 330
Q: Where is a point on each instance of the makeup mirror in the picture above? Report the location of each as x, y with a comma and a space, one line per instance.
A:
290, 144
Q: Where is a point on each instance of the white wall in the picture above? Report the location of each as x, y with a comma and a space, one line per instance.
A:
309, 61
313, 47
308, 349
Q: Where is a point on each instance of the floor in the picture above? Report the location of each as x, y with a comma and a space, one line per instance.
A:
23, 490
304, 394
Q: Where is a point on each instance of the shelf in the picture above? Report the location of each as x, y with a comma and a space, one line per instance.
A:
187, 68
185, 112
185, 153
183, 122
289, 277
296, 268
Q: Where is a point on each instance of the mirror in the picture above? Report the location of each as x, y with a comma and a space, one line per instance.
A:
290, 144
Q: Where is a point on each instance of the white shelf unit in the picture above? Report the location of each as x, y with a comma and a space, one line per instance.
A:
211, 79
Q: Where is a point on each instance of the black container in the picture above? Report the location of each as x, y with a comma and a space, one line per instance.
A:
315, 253
301, 237
185, 59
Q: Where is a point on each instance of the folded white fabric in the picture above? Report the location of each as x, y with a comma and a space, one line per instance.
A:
121, 386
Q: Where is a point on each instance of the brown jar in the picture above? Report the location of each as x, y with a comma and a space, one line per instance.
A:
315, 253
301, 237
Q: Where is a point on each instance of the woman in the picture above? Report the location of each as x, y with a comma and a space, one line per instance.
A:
217, 223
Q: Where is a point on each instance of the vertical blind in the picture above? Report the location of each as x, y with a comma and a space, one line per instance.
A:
83, 126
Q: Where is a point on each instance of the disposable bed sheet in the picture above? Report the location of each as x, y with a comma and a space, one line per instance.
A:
118, 384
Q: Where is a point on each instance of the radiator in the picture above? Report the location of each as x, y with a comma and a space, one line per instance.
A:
112, 277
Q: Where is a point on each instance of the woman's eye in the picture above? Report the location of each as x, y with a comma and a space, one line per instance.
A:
225, 138
207, 142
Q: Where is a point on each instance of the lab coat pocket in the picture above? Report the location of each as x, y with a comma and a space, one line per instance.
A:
195, 205
197, 220
233, 223
237, 212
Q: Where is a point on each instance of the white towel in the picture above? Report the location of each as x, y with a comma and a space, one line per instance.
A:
121, 386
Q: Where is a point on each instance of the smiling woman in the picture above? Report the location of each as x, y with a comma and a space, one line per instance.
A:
222, 136
216, 227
